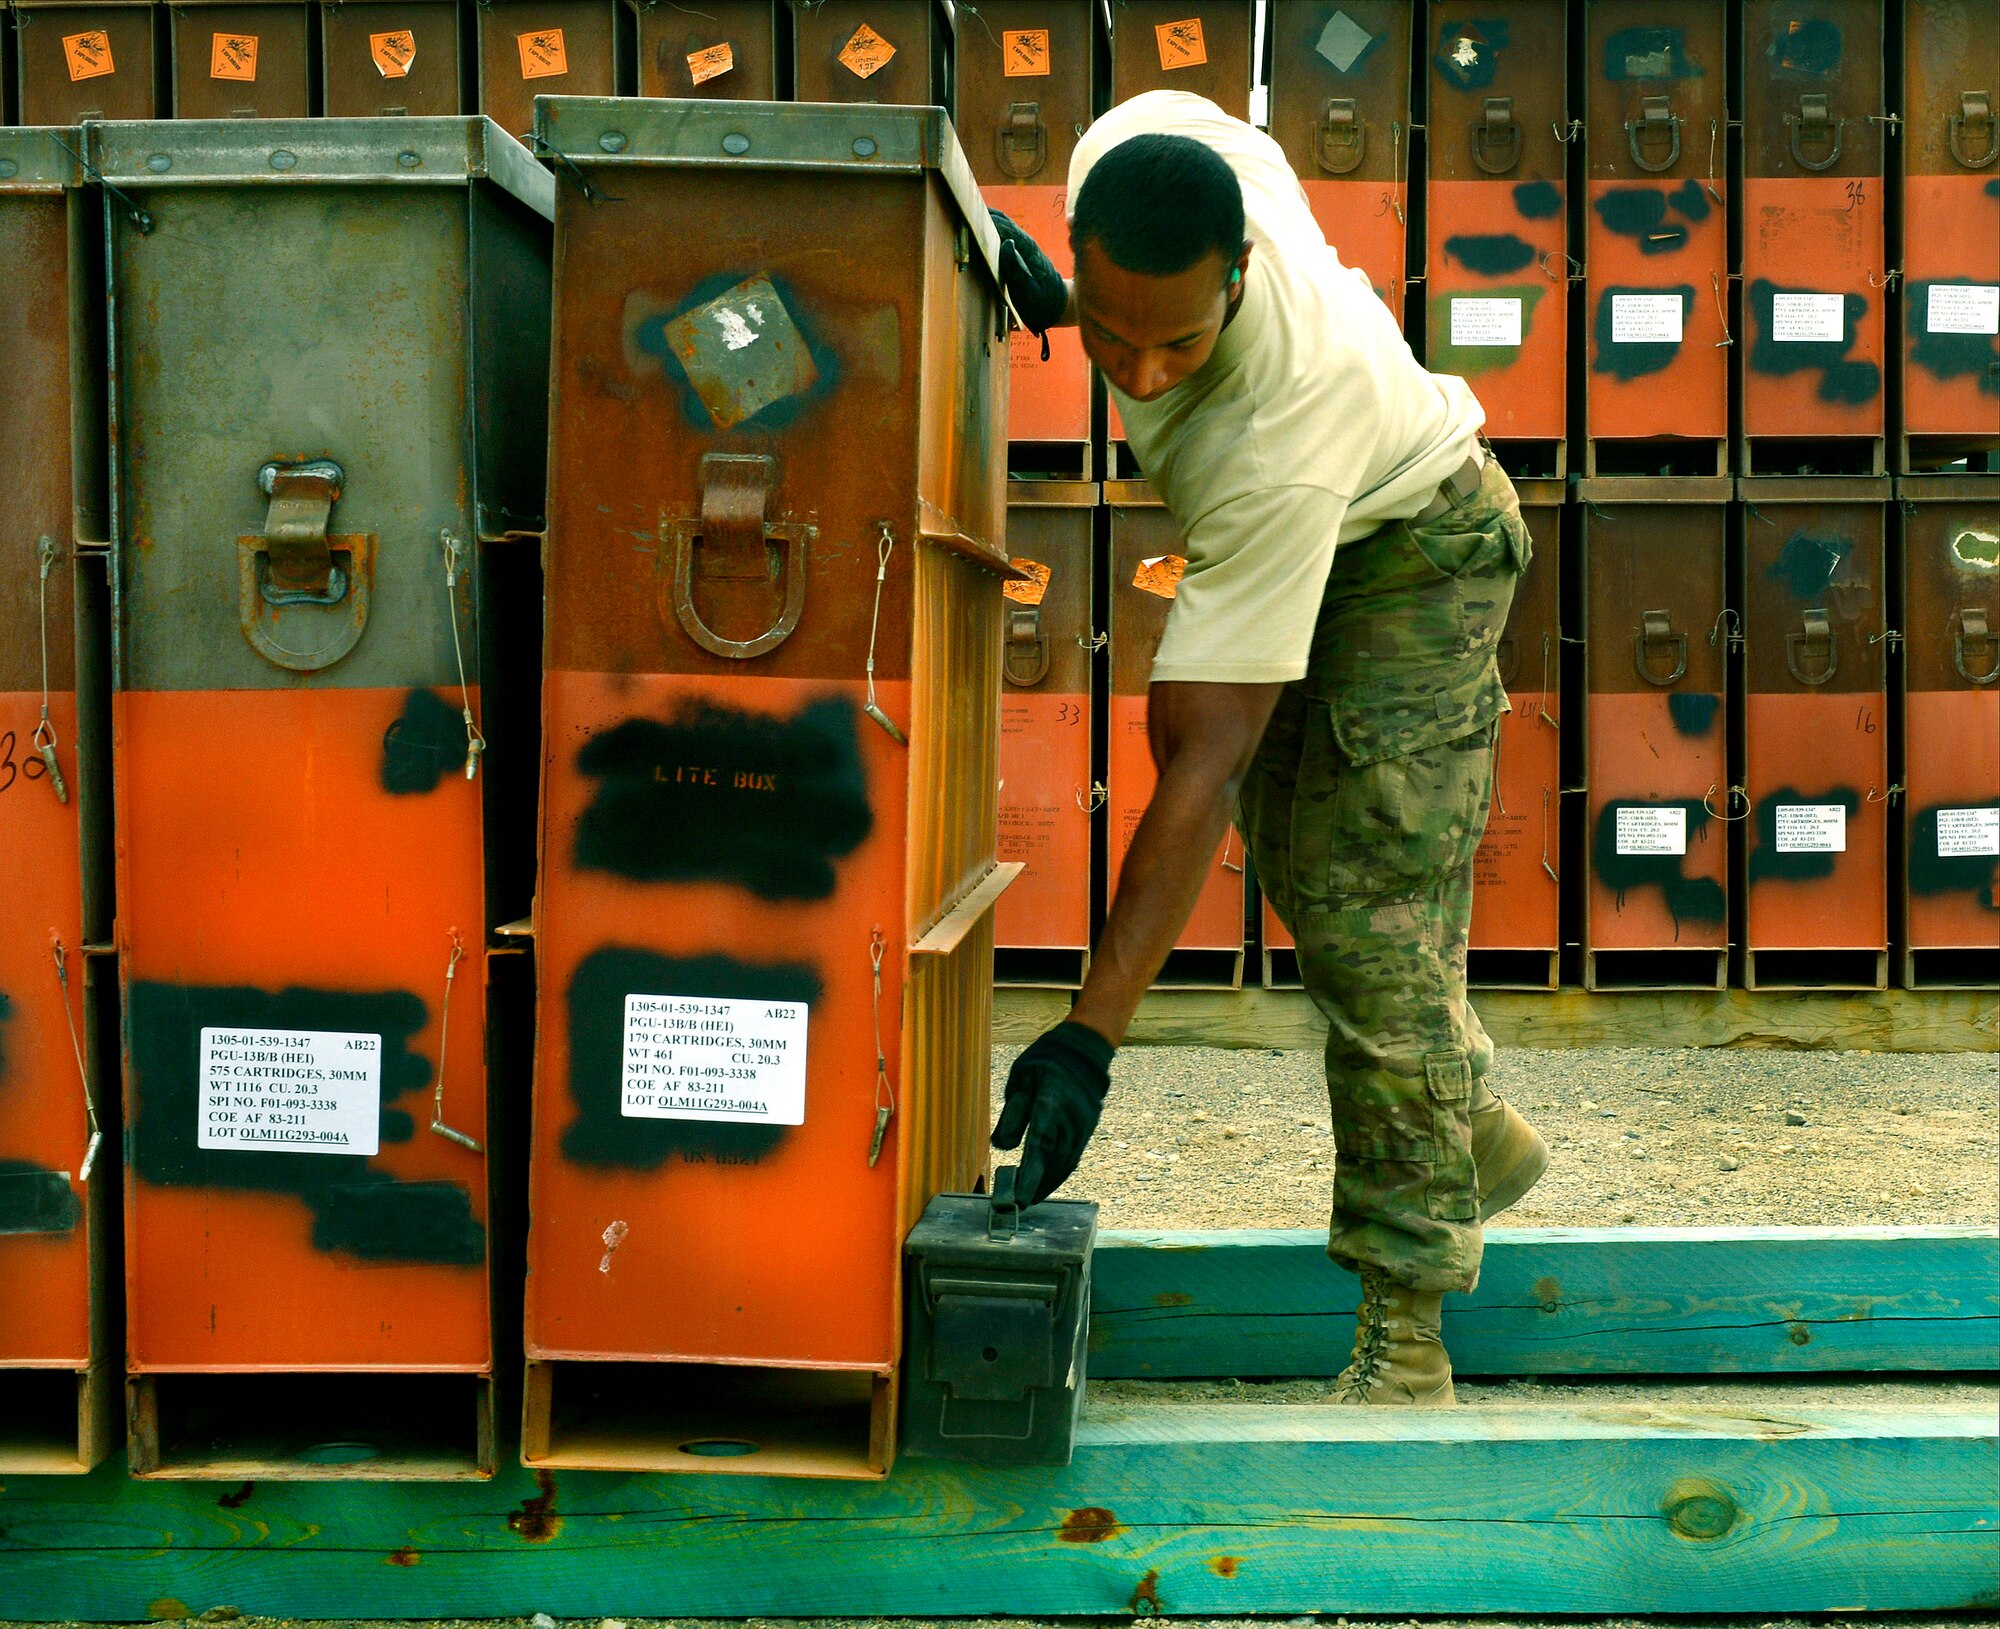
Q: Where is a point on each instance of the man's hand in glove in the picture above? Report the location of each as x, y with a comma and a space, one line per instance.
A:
1055, 1092
1035, 288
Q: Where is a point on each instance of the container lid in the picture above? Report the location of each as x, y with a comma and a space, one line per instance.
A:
40, 158
964, 1230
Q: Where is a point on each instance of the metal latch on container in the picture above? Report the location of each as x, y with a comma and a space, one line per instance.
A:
1343, 139
992, 1339
1812, 648
1023, 141
1026, 659
1970, 632
1656, 633
1496, 138
295, 563
1974, 118
1813, 125
1658, 124
732, 540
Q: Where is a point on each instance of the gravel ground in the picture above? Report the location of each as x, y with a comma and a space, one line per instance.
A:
1198, 1137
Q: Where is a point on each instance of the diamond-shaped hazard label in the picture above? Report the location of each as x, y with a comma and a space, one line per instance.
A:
866, 52
1343, 42
1182, 44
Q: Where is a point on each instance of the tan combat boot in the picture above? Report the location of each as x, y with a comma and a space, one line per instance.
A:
1507, 1153
1398, 1358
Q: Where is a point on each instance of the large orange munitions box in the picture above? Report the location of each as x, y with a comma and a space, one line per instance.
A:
1041, 931
58, 1376
1281, 950
1657, 640
1516, 934
1340, 108
1497, 256
718, 50
772, 723
238, 59
1815, 852
1815, 265
1951, 229
390, 57
1951, 730
1200, 46
329, 341
530, 48
104, 59
1656, 235
1146, 567
894, 51
1024, 89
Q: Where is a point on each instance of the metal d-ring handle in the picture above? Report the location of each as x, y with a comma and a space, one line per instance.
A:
291, 565
1654, 113
1656, 629
1969, 628
1815, 640
1343, 138
735, 493
1813, 116
1026, 659
1022, 143
1497, 131
1975, 113
682, 539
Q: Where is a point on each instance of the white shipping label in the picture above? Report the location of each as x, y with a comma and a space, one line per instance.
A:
1964, 308
1645, 319
1810, 318
1963, 832
1485, 322
1652, 831
707, 1058
1812, 828
291, 1091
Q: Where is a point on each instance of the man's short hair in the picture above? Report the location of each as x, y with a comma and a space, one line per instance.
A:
1157, 204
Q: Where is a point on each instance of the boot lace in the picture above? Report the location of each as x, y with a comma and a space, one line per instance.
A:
1371, 1337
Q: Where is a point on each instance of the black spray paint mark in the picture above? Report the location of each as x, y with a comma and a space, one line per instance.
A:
1847, 382
601, 1134
1693, 712
6, 1012
1491, 254
1932, 873
1634, 359
1468, 53
650, 336
1648, 53
1950, 356
1803, 48
425, 743
1993, 189
755, 799
1688, 899
1538, 200
1690, 200
1767, 860
428, 1222
34, 1200
1641, 214
1806, 564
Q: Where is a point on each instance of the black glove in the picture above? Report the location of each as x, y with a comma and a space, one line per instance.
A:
1055, 1092
1031, 280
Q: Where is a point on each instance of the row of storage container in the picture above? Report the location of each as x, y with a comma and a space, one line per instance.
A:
1762, 713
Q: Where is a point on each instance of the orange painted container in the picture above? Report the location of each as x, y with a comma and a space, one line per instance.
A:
888, 51
1024, 84
1146, 565
1950, 230
1516, 930
304, 849
233, 60
722, 51
1655, 234
1041, 927
769, 793
1815, 260
74, 62
1815, 851
1199, 46
530, 48
58, 1379
1656, 887
1281, 950
1340, 108
1950, 898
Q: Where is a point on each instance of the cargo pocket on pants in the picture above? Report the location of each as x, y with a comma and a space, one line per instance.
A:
1453, 1194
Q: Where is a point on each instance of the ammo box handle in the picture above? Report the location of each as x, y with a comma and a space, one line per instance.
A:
1974, 115
1657, 121
1814, 122
1343, 138
1026, 655
1022, 143
1498, 132
735, 490
1815, 643
1969, 628
291, 563
1656, 629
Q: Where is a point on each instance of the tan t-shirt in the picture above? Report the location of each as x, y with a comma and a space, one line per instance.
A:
1311, 425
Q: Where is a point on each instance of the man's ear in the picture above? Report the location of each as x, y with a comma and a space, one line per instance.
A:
1236, 272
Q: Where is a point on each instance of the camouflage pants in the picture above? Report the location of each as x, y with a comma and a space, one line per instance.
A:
1362, 810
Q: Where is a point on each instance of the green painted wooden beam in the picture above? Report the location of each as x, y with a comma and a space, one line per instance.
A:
1185, 1509
1631, 1300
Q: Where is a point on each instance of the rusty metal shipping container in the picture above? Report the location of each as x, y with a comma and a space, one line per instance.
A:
1815, 262
718, 51
1950, 229
1340, 108
1041, 931
1655, 234
1201, 46
530, 48
1517, 870
235, 60
1657, 638
390, 57
329, 340
772, 725
1951, 730
1817, 787
58, 1173
1146, 568
871, 51
1496, 237
101, 60
1025, 76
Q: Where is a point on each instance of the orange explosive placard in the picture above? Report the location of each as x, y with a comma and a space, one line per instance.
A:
232, 56
710, 63
1161, 575
1024, 52
866, 52
1181, 44
88, 54
393, 52
1029, 590
543, 54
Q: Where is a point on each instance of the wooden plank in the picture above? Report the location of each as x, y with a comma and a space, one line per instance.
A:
948, 932
1207, 1509
1876, 1020
1592, 1301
